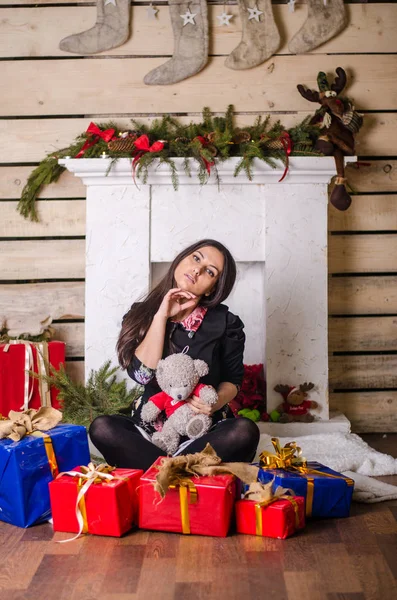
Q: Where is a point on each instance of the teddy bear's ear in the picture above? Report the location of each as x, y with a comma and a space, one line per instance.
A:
159, 369
201, 367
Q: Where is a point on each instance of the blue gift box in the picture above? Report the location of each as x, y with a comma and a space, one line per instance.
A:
25, 472
324, 496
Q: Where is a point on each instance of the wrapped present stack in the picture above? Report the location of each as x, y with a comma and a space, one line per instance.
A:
34, 448
97, 499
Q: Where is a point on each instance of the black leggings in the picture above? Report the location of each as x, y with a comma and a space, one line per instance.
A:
122, 444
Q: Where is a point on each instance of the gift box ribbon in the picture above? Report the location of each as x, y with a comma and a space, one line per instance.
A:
260, 505
263, 495
49, 449
42, 367
92, 474
289, 458
187, 495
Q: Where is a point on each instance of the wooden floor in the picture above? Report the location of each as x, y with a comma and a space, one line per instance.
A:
339, 559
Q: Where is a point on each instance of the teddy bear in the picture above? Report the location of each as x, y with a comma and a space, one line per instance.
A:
296, 405
178, 376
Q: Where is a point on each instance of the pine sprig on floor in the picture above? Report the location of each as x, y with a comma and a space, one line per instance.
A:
102, 395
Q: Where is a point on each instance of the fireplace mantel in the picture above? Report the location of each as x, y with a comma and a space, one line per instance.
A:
277, 233
95, 171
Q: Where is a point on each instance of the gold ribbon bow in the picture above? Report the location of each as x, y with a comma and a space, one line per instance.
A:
284, 458
92, 474
263, 496
42, 366
290, 459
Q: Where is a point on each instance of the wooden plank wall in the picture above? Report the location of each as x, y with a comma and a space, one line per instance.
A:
49, 96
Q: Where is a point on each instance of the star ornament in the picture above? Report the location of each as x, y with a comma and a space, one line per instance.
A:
224, 19
291, 5
110, 2
254, 13
151, 12
188, 17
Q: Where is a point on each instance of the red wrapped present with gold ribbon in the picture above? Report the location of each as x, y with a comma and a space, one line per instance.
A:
193, 494
20, 391
276, 515
96, 499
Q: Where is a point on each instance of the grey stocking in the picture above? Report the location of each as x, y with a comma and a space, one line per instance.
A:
190, 44
111, 29
323, 22
260, 37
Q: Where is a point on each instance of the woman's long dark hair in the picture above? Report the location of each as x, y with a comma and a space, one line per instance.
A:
139, 318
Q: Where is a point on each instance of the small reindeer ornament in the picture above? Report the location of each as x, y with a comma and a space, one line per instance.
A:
296, 405
339, 121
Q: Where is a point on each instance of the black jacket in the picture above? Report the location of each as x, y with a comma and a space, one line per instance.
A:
219, 341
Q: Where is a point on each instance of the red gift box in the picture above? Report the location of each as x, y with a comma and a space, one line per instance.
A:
280, 519
108, 508
15, 385
202, 507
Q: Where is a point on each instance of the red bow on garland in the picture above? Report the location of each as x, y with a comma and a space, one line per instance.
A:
204, 143
286, 141
95, 134
142, 144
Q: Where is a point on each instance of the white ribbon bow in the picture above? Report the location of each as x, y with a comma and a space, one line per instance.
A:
93, 472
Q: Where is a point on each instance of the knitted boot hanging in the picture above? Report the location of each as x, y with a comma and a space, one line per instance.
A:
111, 29
260, 37
325, 19
190, 26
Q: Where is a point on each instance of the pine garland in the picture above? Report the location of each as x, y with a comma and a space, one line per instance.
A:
102, 395
214, 138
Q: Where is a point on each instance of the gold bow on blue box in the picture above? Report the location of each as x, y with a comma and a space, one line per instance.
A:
327, 493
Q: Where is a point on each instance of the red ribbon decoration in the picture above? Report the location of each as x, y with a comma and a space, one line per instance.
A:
143, 145
204, 143
95, 135
286, 141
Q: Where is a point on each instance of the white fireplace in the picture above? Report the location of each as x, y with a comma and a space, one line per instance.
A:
277, 232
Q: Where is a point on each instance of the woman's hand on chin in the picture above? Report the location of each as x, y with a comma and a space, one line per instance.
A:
176, 301
200, 407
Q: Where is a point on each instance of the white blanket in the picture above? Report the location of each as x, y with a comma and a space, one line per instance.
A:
350, 455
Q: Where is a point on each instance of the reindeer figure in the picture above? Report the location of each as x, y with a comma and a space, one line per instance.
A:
340, 122
296, 405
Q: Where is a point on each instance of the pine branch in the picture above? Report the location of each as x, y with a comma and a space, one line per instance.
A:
47, 172
102, 395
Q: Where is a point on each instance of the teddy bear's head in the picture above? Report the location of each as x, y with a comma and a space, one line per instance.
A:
178, 375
